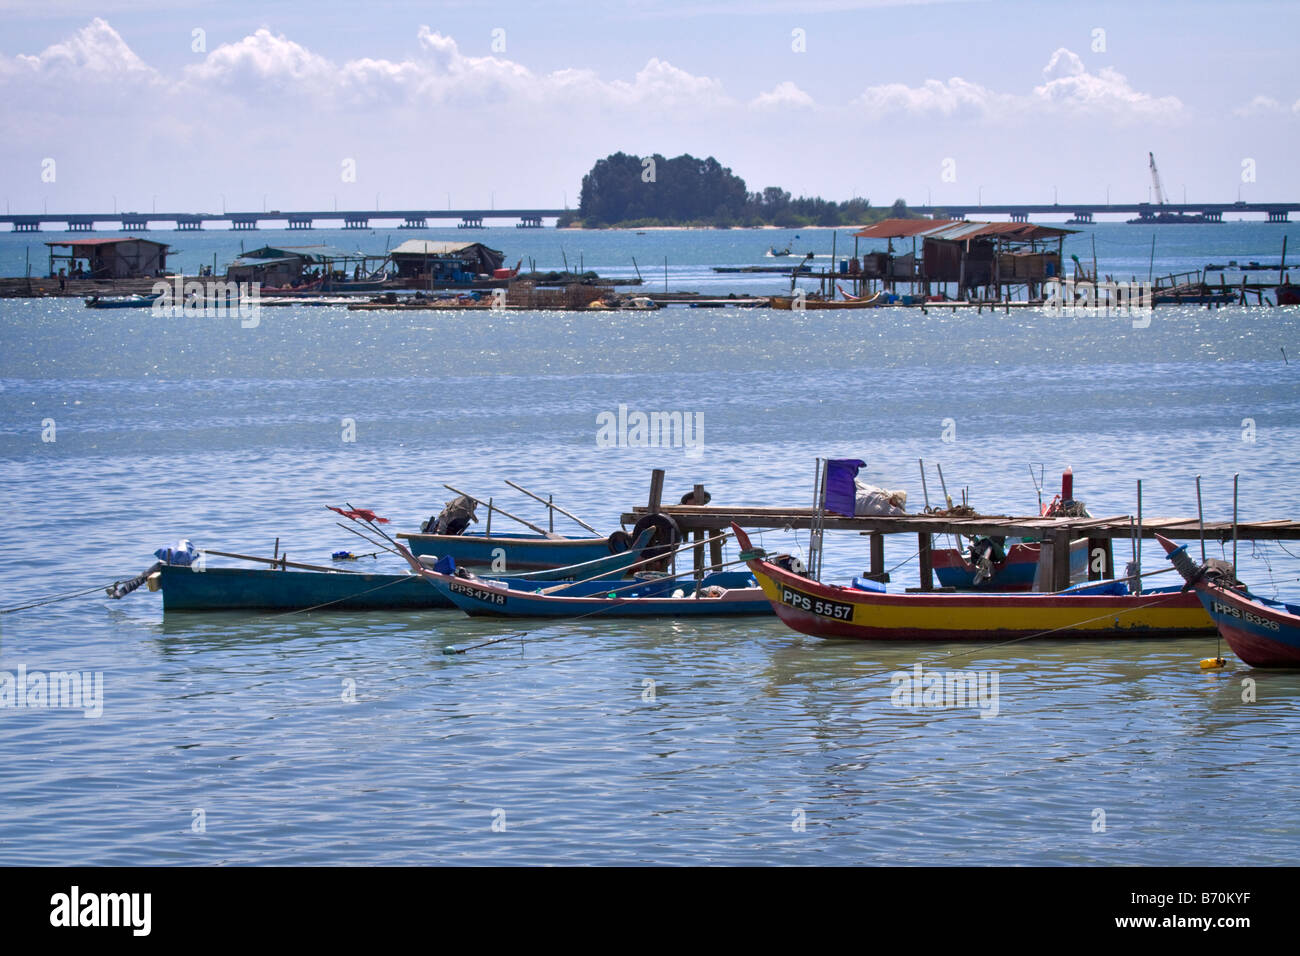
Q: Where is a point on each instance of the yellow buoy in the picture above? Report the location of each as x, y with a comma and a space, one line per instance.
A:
1213, 663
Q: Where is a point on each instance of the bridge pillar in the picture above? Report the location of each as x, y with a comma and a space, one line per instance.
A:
1277, 215
243, 225
189, 225
471, 222
1215, 215
1020, 217
529, 222
356, 222
33, 225
1082, 217
414, 222
135, 225
81, 225
299, 222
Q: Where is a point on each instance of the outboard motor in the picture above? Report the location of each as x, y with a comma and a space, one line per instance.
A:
454, 517
984, 554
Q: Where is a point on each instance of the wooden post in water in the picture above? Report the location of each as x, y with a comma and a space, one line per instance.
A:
1060, 560
878, 557
656, 490
927, 562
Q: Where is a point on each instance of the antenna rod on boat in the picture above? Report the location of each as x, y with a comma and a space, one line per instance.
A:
1200, 517
492, 507
1137, 542
1234, 522
926, 491
552, 506
943, 484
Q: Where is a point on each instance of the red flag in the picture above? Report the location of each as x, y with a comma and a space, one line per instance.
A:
359, 514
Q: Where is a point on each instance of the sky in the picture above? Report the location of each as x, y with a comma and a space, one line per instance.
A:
199, 106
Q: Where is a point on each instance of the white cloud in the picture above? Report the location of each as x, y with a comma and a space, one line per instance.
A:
1266, 106
783, 96
94, 49
1068, 87
947, 97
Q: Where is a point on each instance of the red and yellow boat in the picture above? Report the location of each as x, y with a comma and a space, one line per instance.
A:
826, 610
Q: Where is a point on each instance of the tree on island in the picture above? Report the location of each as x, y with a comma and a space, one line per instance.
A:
628, 191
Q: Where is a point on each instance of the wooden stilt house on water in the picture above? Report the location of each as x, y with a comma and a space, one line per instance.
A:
117, 258
960, 259
309, 268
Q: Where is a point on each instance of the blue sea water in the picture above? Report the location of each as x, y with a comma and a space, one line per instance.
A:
351, 738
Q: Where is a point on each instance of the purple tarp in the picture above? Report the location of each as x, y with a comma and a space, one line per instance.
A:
840, 490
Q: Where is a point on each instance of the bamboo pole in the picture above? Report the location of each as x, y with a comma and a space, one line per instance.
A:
552, 506
279, 562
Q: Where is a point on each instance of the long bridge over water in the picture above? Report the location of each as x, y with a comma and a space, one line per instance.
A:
532, 218
308, 219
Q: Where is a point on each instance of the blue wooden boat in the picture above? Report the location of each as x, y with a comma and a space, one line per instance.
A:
120, 302
509, 553
266, 589
1262, 632
306, 586
721, 593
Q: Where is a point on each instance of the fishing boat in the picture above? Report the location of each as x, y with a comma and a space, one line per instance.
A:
720, 593
291, 586
866, 612
787, 303
1262, 632
512, 552
265, 589
138, 301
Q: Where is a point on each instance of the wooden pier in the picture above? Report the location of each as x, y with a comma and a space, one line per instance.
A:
705, 521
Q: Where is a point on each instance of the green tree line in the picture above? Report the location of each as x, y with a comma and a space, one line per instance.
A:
629, 191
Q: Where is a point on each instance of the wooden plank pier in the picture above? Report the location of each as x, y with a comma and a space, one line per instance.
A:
1058, 533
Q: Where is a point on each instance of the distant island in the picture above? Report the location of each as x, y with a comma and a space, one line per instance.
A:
624, 191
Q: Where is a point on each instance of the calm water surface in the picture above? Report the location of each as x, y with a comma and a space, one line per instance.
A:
234, 437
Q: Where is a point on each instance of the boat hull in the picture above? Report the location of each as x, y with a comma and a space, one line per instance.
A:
786, 303
1261, 632
484, 598
823, 610
256, 589
506, 554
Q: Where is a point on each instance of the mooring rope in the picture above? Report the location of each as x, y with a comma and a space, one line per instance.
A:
56, 598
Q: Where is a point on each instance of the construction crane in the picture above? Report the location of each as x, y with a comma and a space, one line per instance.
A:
1155, 180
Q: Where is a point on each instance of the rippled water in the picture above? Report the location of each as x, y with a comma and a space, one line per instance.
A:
233, 437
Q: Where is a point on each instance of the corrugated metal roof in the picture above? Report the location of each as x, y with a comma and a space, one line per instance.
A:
958, 230
427, 247
259, 262
104, 242
315, 253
